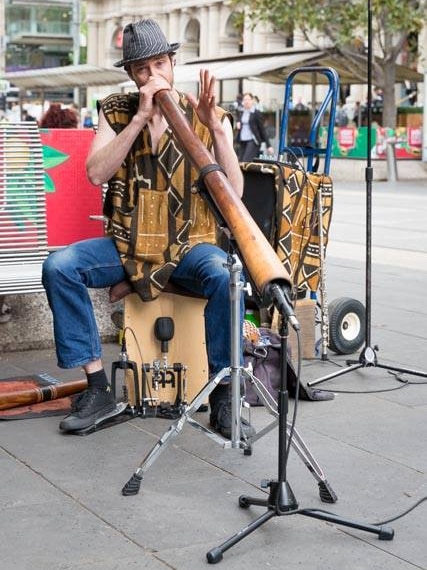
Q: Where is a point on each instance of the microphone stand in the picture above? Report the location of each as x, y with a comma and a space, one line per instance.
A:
270, 279
368, 356
281, 499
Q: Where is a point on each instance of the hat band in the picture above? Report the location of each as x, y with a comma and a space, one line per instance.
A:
146, 54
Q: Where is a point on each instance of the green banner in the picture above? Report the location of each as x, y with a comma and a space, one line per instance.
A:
351, 142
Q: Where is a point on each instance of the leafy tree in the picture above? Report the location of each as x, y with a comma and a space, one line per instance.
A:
395, 24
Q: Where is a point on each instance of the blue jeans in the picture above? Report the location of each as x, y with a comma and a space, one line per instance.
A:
95, 263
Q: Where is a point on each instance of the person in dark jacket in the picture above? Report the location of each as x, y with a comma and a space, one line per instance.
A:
251, 130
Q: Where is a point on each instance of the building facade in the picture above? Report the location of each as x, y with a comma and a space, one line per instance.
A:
39, 34
206, 29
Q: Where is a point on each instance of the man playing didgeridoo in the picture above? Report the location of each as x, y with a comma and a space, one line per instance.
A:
149, 192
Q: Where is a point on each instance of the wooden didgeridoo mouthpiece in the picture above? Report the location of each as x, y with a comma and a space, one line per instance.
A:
259, 257
33, 396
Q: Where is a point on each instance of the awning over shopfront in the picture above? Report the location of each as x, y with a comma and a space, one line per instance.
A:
250, 67
272, 67
67, 76
347, 75
275, 68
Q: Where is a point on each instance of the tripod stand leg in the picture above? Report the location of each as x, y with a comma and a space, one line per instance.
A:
335, 374
215, 555
383, 532
133, 485
281, 500
327, 494
403, 370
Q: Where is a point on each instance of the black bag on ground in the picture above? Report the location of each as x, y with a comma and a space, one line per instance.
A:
264, 356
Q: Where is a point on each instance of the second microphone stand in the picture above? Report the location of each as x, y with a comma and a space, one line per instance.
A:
368, 356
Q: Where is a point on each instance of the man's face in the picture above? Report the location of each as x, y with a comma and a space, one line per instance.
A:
159, 65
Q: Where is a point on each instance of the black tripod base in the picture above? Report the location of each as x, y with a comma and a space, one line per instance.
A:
281, 501
281, 498
367, 358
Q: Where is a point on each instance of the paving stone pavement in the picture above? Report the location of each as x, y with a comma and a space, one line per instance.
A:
60, 497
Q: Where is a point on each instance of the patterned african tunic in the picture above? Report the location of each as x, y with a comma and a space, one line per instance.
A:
154, 216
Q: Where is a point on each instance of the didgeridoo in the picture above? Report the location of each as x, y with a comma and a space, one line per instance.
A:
40, 394
260, 259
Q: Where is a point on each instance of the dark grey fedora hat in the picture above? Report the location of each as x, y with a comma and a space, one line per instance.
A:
142, 40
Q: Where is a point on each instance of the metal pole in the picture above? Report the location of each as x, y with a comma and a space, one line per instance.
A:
425, 119
236, 285
76, 43
391, 161
3, 41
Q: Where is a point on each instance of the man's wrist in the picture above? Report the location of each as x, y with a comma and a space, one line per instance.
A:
217, 129
139, 121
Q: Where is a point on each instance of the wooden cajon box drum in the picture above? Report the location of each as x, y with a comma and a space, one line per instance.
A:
187, 347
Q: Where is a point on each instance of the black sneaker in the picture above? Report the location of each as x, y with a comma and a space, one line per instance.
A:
88, 407
221, 413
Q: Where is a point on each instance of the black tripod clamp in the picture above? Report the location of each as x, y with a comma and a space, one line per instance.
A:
279, 294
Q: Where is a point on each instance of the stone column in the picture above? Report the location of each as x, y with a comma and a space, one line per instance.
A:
92, 43
205, 31
174, 29
214, 32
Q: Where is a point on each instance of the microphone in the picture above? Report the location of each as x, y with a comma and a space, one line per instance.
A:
283, 304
